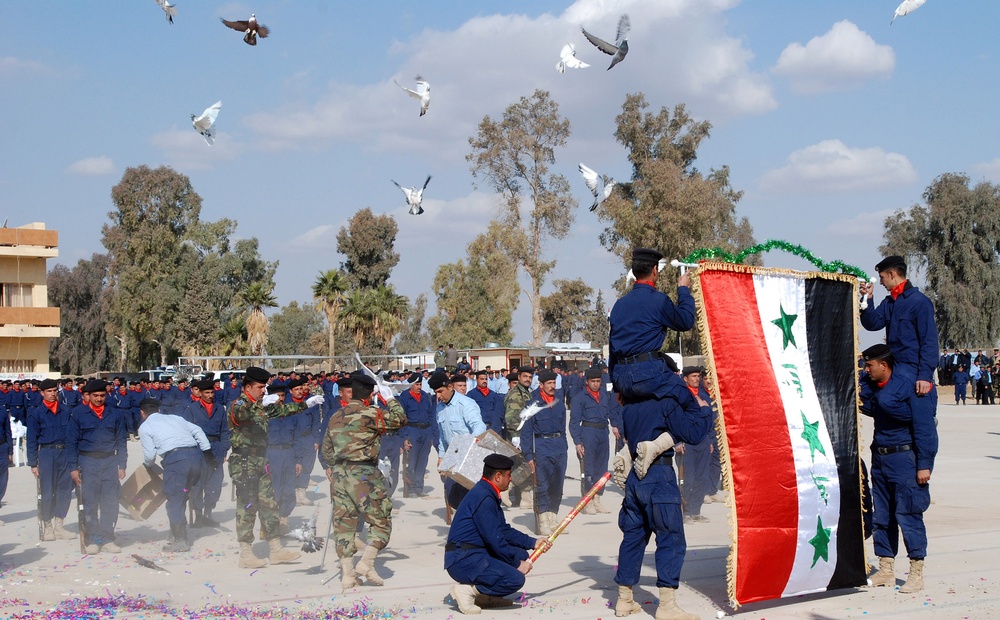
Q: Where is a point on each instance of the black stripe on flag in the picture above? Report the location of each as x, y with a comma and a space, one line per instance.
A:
831, 313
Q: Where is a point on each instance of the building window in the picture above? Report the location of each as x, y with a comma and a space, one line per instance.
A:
17, 366
15, 295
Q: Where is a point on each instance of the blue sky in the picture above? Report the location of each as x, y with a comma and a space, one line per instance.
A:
829, 118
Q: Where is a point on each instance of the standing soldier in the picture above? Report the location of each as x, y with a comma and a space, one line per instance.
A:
96, 452
393, 443
514, 403
46, 441
490, 403
305, 440
281, 457
248, 421
591, 412
350, 449
543, 443
211, 418
6, 450
421, 432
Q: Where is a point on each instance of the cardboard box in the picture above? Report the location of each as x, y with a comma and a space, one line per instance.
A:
142, 492
463, 461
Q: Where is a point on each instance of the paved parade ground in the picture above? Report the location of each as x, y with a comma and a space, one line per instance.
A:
573, 580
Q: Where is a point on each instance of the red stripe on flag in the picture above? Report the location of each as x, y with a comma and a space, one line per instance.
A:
765, 490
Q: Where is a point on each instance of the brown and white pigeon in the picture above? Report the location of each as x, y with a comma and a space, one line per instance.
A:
620, 48
250, 27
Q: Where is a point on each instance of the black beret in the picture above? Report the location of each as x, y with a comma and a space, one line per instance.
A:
480, 373
512, 376
414, 377
204, 385
208, 375
255, 373
362, 381
95, 385
297, 382
346, 382
438, 379
47, 384
890, 261
498, 462
593, 373
149, 404
546, 375
690, 370
646, 254
459, 379
276, 387
671, 364
876, 352
525, 369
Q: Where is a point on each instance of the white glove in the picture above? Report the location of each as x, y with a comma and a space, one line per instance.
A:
312, 401
269, 399
516, 441
385, 392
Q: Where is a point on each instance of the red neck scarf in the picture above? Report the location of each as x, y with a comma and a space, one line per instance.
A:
596, 395
51, 406
485, 390
646, 282
416, 395
694, 391
98, 411
495, 488
208, 407
250, 398
548, 399
898, 289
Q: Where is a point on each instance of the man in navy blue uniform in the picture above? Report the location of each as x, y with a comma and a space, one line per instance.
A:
697, 456
907, 316
903, 451
15, 402
421, 431
67, 395
281, 457
490, 403
961, 379
208, 415
305, 439
543, 444
639, 322
590, 414
653, 505
486, 556
6, 450
96, 454
46, 441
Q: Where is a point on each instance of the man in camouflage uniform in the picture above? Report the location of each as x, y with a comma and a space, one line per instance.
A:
248, 417
350, 449
514, 403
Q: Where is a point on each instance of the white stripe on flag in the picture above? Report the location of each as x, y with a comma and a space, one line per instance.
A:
816, 470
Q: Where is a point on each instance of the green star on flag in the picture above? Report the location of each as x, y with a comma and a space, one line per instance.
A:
785, 325
810, 433
820, 542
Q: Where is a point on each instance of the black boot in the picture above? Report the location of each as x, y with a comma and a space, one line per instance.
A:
178, 542
207, 520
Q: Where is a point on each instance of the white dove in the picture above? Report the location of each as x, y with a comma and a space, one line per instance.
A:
567, 58
598, 187
414, 196
423, 93
205, 124
531, 410
397, 388
385, 466
307, 535
907, 7
168, 8
620, 48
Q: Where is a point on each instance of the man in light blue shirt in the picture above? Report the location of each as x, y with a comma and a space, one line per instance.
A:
457, 414
182, 448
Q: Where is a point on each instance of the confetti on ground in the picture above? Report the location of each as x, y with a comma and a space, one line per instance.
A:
105, 607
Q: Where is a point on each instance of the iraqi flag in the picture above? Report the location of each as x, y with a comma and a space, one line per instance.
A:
782, 347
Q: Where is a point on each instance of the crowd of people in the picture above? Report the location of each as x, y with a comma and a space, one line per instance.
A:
962, 369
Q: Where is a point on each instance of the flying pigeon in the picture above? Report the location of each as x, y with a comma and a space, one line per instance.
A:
598, 187
423, 93
168, 8
907, 7
567, 58
385, 466
205, 124
531, 410
620, 48
250, 27
307, 535
414, 196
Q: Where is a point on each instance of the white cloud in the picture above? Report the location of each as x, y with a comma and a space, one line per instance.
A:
679, 52
10, 65
989, 169
863, 226
93, 166
842, 59
831, 166
185, 149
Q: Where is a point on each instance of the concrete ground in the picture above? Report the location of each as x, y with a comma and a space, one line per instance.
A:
573, 580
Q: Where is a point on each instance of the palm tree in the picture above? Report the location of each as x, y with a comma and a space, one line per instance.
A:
232, 337
388, 311
355, 317
255, 297
329, 292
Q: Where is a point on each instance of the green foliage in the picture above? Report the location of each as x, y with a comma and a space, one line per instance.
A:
597, 328
514, 155
373, 317
254, 298
82, 347
292, 330
328, 291
414, 337
367, 242
565, 311
955, 239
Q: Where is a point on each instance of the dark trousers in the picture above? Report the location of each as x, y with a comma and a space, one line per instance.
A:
307, 456
697, 476
182, 470
101, 488
596, 451
899, 505
651, 505
496, 578
4, 470
420, 450
550, 473
281, 466
206, 492
57, 486
390, 447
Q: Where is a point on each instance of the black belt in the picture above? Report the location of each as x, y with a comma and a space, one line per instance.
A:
663, 459
96, 454
454, 546
594, 424
416, 425
549, 435
214, 437
391, 433
249, 451
53, 446
169, 452
371, 463
280, 446
642, 357
893, 449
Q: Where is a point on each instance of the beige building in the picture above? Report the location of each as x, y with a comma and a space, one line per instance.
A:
26, 321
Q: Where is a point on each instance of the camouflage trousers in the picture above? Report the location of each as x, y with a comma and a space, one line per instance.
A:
254, 495
359, 492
